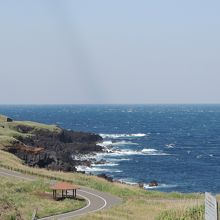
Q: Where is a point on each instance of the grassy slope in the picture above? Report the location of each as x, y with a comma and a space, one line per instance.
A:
137, 203
10, 133
23, 197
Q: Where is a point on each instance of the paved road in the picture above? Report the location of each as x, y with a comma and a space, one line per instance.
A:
96, 200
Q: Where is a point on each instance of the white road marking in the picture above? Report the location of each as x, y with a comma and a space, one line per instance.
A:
74, 215
95, 210
105, 202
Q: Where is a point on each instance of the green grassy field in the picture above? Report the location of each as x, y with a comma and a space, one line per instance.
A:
137, 203
20, 198
11, 133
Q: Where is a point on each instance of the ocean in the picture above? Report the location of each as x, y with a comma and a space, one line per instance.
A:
176, 145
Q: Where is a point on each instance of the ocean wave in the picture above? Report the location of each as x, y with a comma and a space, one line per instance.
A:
122, 143
125, 152
170, 145
96, 169
116, 153
116, 136
109, 154
146, 186
118, 159
91, 169
107, 164
118, 143
129, 152
148, 150
105, 144
153, 152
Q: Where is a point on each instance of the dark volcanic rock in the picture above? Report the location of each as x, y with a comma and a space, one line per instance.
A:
153, 183
9, 119
24, 129
58, 148
80, 137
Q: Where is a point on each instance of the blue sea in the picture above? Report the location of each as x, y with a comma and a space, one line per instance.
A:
176, 145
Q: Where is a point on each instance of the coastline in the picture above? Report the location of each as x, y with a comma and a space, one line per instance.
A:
167, 150
54, 148
133, 195
141, 202
46, 146
98, 165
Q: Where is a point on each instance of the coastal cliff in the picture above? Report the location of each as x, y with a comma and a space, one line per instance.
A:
46, 146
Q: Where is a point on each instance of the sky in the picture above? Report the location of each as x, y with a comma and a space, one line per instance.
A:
109, 52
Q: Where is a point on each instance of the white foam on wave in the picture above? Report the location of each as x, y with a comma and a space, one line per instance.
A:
122, 143
96, 169
119, 143
116, 136
91, 169
105, 144
153, 152
146, 186
170, 145
106, 165
125, 152
148, 150
129, 152
113, 156
118, 159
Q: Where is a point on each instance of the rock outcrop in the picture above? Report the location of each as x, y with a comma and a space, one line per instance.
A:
50, 147
153, 183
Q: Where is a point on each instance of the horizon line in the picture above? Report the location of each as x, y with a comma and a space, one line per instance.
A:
51, 104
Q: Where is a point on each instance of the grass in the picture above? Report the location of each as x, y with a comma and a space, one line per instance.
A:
10, 161
137, 203
20, 198
196, 212
34, 126
6, 141
141, 209
10, 132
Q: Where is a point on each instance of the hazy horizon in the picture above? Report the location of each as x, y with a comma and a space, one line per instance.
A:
117, 52
110, 104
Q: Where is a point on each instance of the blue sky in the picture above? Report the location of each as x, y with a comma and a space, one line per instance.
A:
72, 52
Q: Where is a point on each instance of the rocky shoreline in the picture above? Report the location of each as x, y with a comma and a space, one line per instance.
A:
59, 150
54, 148
47, 146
